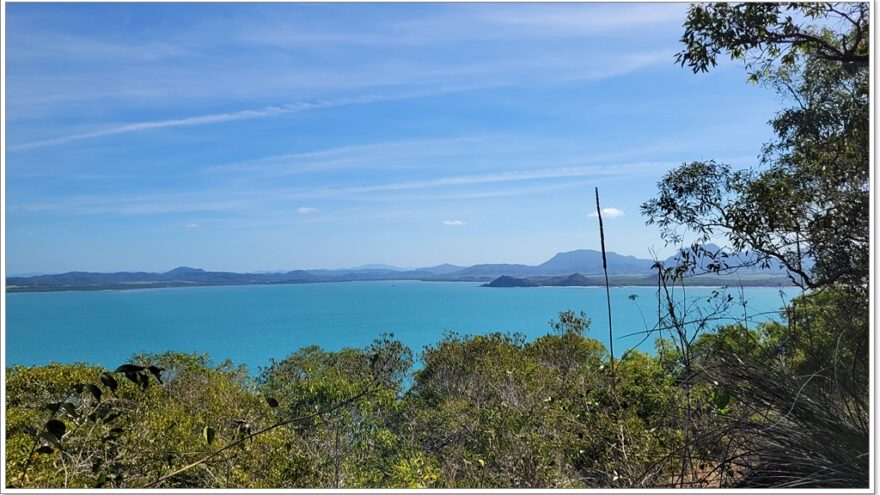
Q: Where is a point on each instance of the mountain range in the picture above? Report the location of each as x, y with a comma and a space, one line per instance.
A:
583, 262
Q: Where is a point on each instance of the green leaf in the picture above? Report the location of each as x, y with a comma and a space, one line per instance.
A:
156, 371
209, 434
94, 390
111, 416
133, 376
52, 439
109, 382
69, 408
56, 428
144, 381
272, 401
721, 398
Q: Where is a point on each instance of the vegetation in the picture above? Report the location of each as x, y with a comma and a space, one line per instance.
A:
807, 205
778, 404
481, 411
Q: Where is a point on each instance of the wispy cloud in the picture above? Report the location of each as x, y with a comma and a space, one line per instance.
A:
217, 118
305, 210
502, 176
454, 223
191, 226
225, 200
608, 213
574, 20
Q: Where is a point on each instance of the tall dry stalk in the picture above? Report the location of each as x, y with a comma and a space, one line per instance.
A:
607, 289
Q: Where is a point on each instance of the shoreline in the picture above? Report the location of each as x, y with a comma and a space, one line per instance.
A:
24, 290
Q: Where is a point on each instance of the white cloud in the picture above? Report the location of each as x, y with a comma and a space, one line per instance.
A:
260, 113
305, 210
191, 226
609, 213
455, 223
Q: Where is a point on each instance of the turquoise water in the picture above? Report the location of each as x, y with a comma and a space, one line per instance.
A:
251, 324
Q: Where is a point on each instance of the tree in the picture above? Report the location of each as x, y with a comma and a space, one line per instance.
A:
807, 204
793, 396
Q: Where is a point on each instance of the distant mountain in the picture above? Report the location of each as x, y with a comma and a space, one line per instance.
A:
443, 269
590, 262
376, 266
743, 262
572, 268
495, 270
586, 261
184, 271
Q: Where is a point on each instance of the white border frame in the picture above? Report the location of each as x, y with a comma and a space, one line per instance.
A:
871, 319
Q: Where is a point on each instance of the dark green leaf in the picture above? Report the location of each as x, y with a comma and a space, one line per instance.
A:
56, 428
69, 408
144, 381
52, 439
208, 433
721, 398
109, 381
128, 368
133, 376
156, 371
94, 390
110, 417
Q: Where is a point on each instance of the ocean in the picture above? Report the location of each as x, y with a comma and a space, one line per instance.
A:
252, 324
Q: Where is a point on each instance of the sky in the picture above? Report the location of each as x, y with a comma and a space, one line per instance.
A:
263, 137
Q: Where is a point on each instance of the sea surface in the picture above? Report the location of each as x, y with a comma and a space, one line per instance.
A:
252, 324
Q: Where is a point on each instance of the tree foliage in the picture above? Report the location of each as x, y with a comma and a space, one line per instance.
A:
806, 205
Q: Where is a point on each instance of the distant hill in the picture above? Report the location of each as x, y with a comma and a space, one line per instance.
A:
178, 277
507, 281
581, 267
495, 270
744, 262
579, 280
443, 269
589, 261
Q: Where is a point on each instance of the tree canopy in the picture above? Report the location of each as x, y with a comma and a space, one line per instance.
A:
806, 202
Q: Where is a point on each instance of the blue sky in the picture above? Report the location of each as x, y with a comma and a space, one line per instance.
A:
276, 136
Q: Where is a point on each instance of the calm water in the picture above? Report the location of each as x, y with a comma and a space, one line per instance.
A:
251, 324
